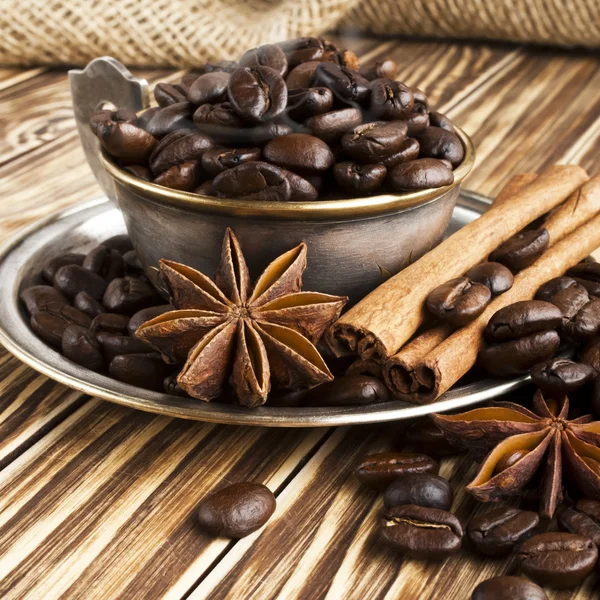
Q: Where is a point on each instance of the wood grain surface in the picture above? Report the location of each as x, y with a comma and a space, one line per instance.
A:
97, 501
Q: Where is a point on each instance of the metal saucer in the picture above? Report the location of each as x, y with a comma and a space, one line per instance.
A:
82, 227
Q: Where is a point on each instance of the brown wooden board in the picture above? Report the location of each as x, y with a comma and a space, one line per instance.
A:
97, 501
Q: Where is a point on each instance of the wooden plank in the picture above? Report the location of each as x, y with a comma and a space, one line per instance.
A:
30, 405
10, 76
322, 542
103, 506
544, 109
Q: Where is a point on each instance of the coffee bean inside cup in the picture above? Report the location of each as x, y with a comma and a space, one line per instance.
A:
305, 105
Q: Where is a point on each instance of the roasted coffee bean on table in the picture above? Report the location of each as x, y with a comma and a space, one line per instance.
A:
80, 345
498, 531
420, 532
521, 319
522, 250
379, 470
90, 306
556, 559
52, 265
38, 297
508, 587
583, 519
146, 370
421, 489
222, 117
237, 510
51, 322
348, 390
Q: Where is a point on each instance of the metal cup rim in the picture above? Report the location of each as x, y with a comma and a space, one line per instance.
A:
366, 206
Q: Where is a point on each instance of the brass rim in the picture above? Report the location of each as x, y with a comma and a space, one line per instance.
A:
326, 209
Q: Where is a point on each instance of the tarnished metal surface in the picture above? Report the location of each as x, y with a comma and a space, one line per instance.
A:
81, 228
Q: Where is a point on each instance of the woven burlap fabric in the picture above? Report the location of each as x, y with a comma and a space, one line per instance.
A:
186, 33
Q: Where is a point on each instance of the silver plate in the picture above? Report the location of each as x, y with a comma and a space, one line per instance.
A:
82, 227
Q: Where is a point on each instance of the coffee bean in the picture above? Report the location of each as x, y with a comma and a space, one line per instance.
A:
417, 121
372, 142
51, 322
302, 50
257, 94
237, 510
560, 560
590, 355
458, 301
585, 324
426, 436
88, 305
508, 587
409, 150
38, 297
209, 88
302, 76
124, 140
106, 262
182, 177
379, 470
383, 68
348, 390
330, 126
347, 85
299, 151
549, 289
440, 143
146, 314
114, 345
522, 318
109, 322
218, 120
120, 242
570, 301
167, 94
268, 55
54, 264
419, 532
129, 294
589, 271
582, 519
437, 119
142, 370
164, 120
138, 171
561, 376
302, 189
254, 181
522, 250
499, 530
133, 266
516, 357
217, 160
363, 179
172, 388
72, 279
179, 147
308, 102
390, 99
421, 489
493, 275
80, 346
419, 174
592, 287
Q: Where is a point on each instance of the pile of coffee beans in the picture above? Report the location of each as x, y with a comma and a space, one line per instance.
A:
417, 522
89, 308
295, 121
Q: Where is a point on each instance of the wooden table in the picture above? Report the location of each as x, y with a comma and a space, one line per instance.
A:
97, 500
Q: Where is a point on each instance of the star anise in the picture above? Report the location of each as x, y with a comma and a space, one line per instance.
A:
260, 337
521, 442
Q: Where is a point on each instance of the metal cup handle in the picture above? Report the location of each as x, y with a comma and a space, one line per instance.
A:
104, 83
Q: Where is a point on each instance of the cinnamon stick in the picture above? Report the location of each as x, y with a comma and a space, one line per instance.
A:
386, 319
515, 184
401, 370
449, 361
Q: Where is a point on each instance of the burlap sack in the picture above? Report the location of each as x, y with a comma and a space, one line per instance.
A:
186, 33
